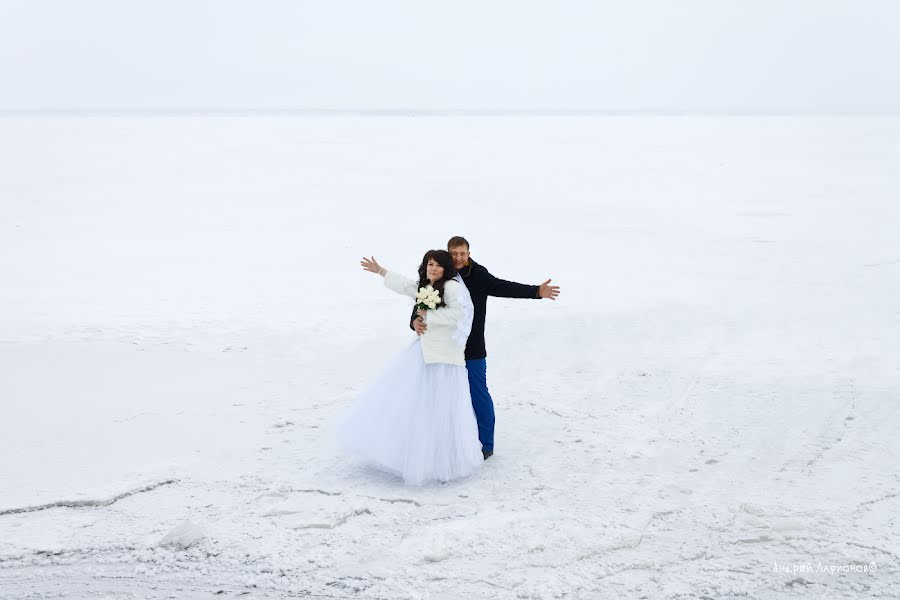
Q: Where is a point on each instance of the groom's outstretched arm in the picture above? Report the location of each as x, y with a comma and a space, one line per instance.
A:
501, 288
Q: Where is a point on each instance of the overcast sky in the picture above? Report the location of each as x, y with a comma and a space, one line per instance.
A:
668, 55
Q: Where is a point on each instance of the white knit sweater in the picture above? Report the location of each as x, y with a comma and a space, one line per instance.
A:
437, 342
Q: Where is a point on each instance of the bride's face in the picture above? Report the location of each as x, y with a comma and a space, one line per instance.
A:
434, 270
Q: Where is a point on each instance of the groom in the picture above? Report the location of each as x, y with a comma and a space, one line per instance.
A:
482, 284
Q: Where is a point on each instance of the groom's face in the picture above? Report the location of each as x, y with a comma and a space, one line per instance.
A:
460, 256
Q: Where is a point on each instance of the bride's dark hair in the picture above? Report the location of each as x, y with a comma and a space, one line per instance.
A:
443, 258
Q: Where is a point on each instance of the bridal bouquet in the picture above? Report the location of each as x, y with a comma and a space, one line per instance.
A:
428, 298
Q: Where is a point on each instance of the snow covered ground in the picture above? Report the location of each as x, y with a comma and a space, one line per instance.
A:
709, 410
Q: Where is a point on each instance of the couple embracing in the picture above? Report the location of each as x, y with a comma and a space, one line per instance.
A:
429, 416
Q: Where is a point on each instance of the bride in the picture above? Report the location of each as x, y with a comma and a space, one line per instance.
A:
415, 419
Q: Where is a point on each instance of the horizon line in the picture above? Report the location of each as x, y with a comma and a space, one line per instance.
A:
412, 112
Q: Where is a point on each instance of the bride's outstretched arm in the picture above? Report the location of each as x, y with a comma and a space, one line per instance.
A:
393, 281
402, 285
371, 265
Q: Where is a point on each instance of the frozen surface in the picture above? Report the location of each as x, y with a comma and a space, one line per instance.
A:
710, 408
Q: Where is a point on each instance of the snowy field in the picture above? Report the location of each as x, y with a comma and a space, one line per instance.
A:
710, 410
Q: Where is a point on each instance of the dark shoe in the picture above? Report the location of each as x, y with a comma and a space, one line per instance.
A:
487, 453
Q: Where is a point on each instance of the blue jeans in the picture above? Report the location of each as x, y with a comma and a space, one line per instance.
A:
481, 402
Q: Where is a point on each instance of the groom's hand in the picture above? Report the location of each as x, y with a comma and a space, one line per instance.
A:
419, 325
548, 291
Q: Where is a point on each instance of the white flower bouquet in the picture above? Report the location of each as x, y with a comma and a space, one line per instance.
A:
428, 298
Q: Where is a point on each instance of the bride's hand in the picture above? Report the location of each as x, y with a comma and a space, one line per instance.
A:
371, 265
421, 312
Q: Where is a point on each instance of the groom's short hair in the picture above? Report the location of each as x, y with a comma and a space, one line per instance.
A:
457, 240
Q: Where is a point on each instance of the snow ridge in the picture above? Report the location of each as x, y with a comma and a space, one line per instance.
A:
83, 503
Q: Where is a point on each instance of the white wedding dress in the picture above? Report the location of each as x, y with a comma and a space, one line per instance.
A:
415, 419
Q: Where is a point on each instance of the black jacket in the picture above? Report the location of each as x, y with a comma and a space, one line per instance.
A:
482, 284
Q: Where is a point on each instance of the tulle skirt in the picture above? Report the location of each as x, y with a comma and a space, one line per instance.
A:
415, 420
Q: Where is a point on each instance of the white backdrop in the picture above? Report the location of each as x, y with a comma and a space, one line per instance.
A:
694, 55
